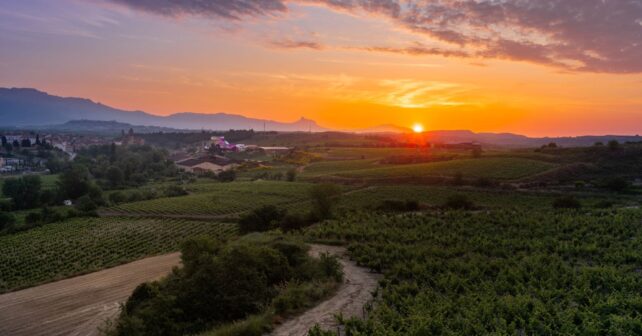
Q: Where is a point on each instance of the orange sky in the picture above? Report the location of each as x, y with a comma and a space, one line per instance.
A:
310, 61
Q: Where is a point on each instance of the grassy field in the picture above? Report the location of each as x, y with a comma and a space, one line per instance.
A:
82, 245
495, 168
498, 272
219, 199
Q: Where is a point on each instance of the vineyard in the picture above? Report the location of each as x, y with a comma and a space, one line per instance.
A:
495, 168
513, 272
221, 199
84, 245
486, 198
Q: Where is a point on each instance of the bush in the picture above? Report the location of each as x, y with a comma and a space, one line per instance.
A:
293, 222
7, 220
117, 197
262, 219
459, 202
86, 204
290, 175
566, 202
175, 191
324, 197
617, 184
227, 176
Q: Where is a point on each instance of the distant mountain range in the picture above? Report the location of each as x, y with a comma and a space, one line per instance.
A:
30, 108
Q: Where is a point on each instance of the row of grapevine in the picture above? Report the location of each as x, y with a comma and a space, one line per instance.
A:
83, 245
499, 272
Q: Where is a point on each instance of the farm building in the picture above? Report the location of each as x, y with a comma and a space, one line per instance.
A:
212, 163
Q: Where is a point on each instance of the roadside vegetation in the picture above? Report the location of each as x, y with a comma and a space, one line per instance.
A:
237, 288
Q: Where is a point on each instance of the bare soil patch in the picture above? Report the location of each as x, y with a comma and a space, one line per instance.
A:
352, 296
80, 305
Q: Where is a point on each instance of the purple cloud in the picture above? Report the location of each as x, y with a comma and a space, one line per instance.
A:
578, 35
296, 44
226, 9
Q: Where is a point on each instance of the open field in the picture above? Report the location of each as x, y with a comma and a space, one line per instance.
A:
83, 245
80, 305
498, 272
220, 199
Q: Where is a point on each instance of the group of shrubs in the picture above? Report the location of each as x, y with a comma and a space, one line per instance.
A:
323, 197
255, 277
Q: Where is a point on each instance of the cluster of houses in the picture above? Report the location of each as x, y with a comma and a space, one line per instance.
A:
207, 161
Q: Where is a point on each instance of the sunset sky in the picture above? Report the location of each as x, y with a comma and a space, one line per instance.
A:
536, 67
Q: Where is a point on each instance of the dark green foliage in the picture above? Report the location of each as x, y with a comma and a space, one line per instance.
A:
86, 204
459, 202
74, 181
290, 175
219, 284
227, 175
24, 191
119, 166
262, 219
117, 197
399, 206
115, 176
566, 202
7, 220
513, 272
617, 184
293, 222
175, 191
324, 198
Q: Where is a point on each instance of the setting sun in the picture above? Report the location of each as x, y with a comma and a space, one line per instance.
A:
418, 128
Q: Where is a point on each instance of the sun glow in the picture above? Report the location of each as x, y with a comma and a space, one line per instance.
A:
418, 128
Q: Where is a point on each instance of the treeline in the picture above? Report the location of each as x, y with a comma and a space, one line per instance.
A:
83, 181
181, 139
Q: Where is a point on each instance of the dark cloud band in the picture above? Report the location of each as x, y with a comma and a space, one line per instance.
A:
578, 35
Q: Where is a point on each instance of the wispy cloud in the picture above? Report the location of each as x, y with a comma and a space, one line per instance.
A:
296, 44
575, 35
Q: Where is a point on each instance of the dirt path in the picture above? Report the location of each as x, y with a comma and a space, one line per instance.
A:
78, 306
349, 300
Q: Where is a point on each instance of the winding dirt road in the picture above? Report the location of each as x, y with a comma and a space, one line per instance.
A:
356, 291
78, 306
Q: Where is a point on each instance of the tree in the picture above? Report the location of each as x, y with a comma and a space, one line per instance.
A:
614, 145
74, 181
3, 141
290, 175
227, 175
115, 176
7, 220
617, 184
262, 219
24, 192
324, 197
477, 152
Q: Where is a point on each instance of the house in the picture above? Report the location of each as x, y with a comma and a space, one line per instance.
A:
211, 163
222, 144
